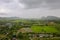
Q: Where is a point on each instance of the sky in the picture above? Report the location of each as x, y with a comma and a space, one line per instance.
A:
29, 8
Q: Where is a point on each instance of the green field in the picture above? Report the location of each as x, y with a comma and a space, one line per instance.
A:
47, 29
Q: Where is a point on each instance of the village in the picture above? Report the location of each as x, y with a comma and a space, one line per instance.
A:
29, 30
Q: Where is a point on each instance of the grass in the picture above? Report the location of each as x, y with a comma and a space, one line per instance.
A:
50, 29
47, 29
36, 28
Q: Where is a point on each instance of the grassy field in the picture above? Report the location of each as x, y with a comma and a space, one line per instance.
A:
47, 29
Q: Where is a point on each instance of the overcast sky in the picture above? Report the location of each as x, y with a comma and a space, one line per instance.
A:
29, 8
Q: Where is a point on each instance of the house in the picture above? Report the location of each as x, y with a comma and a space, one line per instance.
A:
25, 24
24, 30
40, 35
14, 39
32, 34
9, 25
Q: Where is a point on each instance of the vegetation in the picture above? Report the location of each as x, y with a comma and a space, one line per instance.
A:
47, 29
14, 28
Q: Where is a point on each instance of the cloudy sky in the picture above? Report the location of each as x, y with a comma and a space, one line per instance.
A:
29, 8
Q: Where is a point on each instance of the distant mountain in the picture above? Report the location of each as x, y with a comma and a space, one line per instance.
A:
42, 18
50, 18
8, 18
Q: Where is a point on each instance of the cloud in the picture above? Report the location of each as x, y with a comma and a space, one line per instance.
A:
30, 8
3, 14
38, 3
29, 4
6, 1
12, 7
4, 10
39, 12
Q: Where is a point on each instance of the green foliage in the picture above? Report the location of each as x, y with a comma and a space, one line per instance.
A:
8, 33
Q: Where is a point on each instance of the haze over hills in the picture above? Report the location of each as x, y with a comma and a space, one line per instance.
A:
50, 18
42, 18
9, 18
